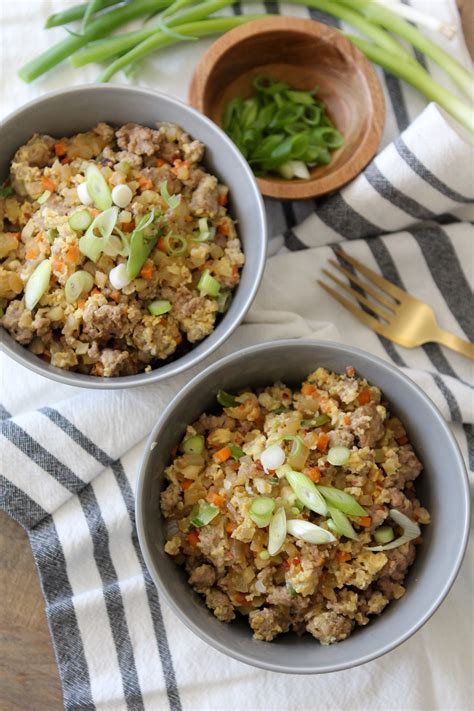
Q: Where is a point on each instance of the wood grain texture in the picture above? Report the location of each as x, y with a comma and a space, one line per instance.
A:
29, 679
305, 54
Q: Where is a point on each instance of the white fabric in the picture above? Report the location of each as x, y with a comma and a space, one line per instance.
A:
433, 670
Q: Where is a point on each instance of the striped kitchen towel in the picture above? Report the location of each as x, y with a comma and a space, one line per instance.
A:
70, 457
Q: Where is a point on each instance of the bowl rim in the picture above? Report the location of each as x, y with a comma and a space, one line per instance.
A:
157, 576
174, 368
315, 187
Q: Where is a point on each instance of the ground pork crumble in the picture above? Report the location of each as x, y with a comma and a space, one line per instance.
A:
109, 330
325, 589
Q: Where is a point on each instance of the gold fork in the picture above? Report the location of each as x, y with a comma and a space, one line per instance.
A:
396, 315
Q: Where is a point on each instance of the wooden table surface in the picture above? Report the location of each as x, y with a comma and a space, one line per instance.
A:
29, 679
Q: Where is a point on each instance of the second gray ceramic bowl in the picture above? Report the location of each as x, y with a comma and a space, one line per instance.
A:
442, 488
69, 111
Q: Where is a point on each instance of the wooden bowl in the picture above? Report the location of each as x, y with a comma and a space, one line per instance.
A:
305, 54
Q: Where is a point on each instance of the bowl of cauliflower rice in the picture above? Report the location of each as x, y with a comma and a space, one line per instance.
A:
132, 236
293, 506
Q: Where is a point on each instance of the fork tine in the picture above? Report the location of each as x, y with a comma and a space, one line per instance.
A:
369, 321
382, 283
376, 294
360, 297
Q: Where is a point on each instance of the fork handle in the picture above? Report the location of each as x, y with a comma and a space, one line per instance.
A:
454, 342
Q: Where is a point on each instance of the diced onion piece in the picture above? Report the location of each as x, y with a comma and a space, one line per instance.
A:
259, 585
384, 534
261, 510
306, 492
113, 246
118, 276
159, 307
316, 421
121, 195
277, 532
97, 188
338, 456
208, 285
42, 198
193, 445
342, 524
77, 284
37, 284
411, 530
83, 194
272, 457
204, 514
309, 532
92, 244
171, 200
341, 501
80, 220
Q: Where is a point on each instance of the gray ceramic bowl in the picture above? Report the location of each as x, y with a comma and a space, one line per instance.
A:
69, 111
443, 489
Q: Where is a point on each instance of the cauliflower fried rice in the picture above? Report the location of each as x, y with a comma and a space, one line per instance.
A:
215, 530
109, 327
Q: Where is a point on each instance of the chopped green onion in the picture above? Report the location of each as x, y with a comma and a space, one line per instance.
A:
264, 555
384, 534
236, 451
6, 190
316, 422
277, 531
410, 529
45, 196
80, 220
225, 399
141, 245
224, 299
298, 454
175, 245
51, 234
204, 514
309, 532
37, 284
171, 200
97, 187
261, 510
124, 167
338, 456
342, 523
306, 491
159, 307
77, 284
272, 457
208, 285
273, 480
280, 410
193, 445
341, 501
291, 590
205, 232
92, 244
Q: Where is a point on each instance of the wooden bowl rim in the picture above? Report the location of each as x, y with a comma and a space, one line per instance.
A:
364, 152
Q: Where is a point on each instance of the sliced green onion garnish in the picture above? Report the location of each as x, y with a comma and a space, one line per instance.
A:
171, 200
309, 532
264, 555
204, 514
77, 284
261, 510
51, 234
37, 284
159, 307
93, 242
225, 399
316, 421
342, 523
277, 531
341, 501
338, 456
42, 198
306, 491
236, 451
141, 245
411, 530
280, 410
175, 245
80, 220
298, 454
97, 187
205, 232
193, 445
208, 285
224, 300
384, 534
291, 590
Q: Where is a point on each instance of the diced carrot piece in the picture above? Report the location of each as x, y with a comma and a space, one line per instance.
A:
144, 183
241, 599
350, 372
323, 441
402, 440
65, 161
31, 253
222, 199
17, 235
178, 339
347, 420
222, 455
308, 389
342, 556
223, 229
364, 396
160, 162
115, 295
215, 499
81, 304
128, 226
48, 183
161, 244
99, 369
193, 537
364, 521
95, 290
73, 254
147, 270
188, 218
314, 474
93, 211
60, 149
230, 526
186, 483
58, 265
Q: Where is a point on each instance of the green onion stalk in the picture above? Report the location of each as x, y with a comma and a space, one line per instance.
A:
75, 13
